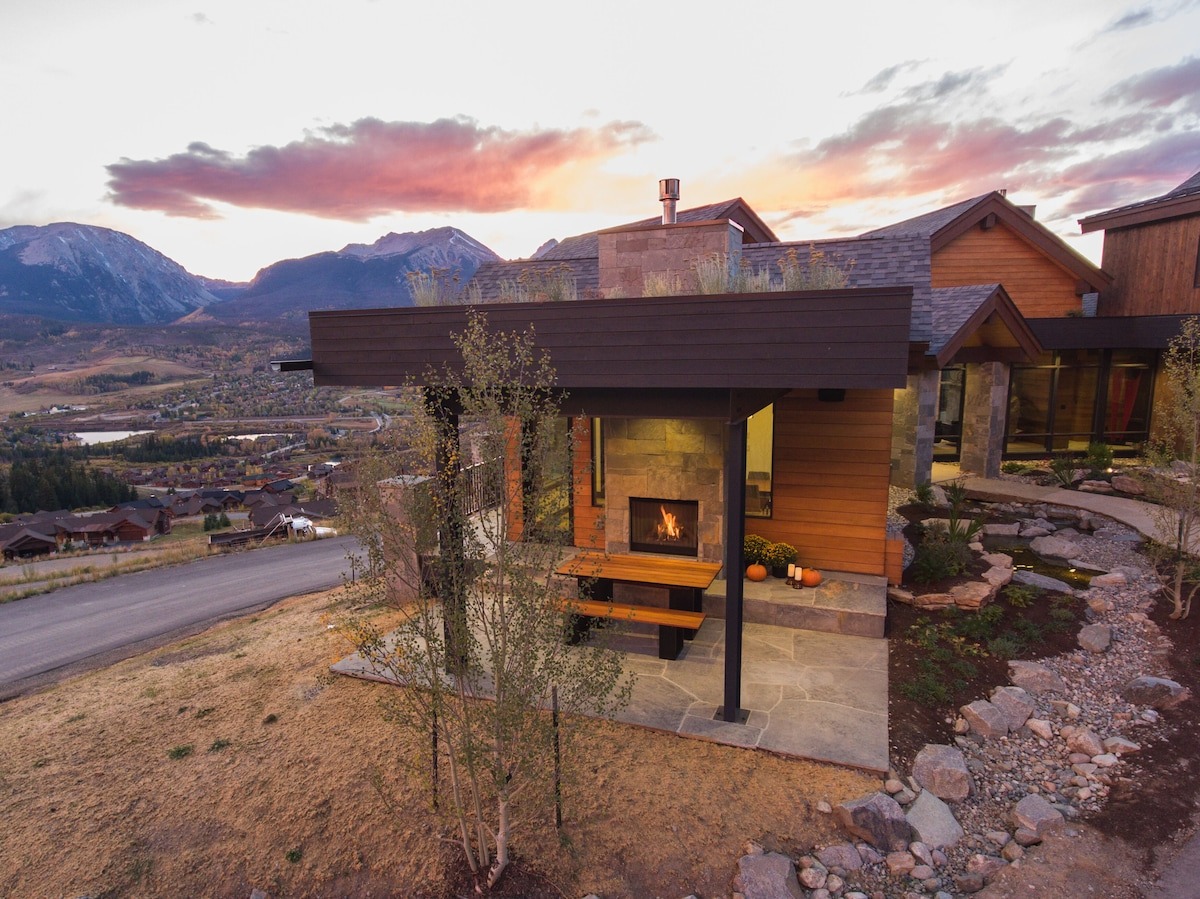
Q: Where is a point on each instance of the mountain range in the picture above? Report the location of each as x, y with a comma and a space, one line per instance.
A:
83, 273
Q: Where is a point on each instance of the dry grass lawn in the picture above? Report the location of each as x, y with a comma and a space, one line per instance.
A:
292, 785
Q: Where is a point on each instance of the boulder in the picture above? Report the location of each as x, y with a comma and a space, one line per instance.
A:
1095, 637
900, 863
998, 576
812, 874
985, 719
974, 594
1040, 728
1121, 746
933, 823
1008, 529
942, 770
1126, 484
1156, 692
1035, 678
767, 876
987, 865
1035, 814
1014, 703
998, 560
876, 818
840, 855
1041, 581
933, 600
1054, 547
1086, 741
1111, 579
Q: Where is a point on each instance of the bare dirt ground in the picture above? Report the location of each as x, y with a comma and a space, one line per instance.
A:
231, 761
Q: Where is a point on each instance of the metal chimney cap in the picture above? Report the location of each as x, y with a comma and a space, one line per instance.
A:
668, 189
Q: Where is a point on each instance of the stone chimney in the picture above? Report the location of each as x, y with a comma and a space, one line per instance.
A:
631, 255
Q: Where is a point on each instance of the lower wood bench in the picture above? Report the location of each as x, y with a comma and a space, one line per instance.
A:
674, 625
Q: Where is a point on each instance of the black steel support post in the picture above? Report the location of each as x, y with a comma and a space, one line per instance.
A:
735, 529
450, 577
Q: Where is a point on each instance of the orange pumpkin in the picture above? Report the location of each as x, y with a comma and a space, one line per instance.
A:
810, 577
756, 572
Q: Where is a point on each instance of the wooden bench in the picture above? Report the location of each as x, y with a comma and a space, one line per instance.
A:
684, 579
674, 625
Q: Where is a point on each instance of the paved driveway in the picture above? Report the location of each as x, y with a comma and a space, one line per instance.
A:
47, 636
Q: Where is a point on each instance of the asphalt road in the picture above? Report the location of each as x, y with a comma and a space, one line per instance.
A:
45, 637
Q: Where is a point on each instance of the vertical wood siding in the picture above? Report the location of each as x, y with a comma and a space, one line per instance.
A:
1039, 287
1155, 269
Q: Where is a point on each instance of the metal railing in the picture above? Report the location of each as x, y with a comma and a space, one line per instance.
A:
481, 486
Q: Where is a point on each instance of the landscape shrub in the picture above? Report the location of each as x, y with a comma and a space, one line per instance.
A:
939, 556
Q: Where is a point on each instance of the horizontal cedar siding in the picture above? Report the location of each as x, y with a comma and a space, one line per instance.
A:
830, 481
1039, 287
1155, 269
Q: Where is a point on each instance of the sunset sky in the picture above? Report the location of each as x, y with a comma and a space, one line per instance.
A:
230, 135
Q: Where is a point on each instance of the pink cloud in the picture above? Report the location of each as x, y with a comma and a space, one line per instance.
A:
368, 168
1162, 87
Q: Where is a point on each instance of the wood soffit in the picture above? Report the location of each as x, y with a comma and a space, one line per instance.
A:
996, 324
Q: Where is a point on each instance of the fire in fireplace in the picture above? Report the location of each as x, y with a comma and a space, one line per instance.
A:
668, 526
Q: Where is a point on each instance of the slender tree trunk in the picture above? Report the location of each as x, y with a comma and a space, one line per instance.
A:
502, 829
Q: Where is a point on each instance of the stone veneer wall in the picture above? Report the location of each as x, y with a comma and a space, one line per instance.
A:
985, 415
667, 459
628, 256
914, 416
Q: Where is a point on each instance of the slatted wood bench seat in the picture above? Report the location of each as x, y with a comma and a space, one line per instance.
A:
673, 624
684, 579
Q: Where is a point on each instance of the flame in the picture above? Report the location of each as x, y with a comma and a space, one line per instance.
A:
669, 529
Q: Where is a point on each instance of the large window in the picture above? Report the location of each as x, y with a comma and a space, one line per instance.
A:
760, 448
947, 444
1073, 397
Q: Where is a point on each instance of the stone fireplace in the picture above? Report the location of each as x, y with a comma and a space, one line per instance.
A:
668, 461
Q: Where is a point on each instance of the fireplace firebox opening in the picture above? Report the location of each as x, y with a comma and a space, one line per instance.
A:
666, 526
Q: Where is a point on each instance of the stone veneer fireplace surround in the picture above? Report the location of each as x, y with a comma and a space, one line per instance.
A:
669, 458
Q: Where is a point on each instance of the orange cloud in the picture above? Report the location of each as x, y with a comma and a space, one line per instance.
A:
368, 168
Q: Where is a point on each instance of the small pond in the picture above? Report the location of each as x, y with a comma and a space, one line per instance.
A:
1025, 558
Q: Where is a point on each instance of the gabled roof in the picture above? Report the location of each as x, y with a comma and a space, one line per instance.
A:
587, 246
942, 226
927, 224
1183, 200
980, 318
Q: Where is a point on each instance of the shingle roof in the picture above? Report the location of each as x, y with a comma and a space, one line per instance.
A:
952, 307
1129, 213
928, 224
867, 262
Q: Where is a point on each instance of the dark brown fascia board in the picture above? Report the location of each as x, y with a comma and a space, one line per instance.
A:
1000, 303
814, 332
1144, 332
1029, 230
620, 229
1145, 214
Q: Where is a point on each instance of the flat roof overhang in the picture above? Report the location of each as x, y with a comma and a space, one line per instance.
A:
1149, 332
722, 356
